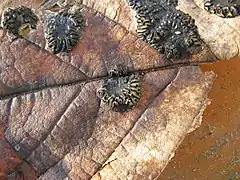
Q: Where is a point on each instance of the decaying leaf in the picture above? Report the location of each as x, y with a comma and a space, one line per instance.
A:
52, 120
222, 35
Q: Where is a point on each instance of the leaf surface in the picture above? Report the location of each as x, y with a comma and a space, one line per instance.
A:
52, 119
220, 34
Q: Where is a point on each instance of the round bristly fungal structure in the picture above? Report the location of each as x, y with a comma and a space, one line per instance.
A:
223, 8
63, 31
19, 21
168, 30
121, 91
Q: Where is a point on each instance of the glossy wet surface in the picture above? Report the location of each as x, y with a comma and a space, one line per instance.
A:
213, 150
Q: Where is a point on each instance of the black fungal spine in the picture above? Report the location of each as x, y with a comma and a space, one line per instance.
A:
63, 30
122, 90
19, 20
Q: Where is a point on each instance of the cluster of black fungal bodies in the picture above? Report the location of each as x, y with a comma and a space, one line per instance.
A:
165, 28
62, 31
223, 8
170, 31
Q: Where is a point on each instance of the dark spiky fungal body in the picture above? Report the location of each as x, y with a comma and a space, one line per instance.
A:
63, 31
168, 30
19, 20
121, 91
223, 8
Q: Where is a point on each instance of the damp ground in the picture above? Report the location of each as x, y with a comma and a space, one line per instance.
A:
213, 150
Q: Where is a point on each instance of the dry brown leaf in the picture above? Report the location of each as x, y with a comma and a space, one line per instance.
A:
222, 35
52, 118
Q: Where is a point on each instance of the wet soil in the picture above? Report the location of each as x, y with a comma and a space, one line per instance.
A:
212, 152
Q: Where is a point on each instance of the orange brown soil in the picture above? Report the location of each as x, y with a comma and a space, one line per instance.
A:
213, 150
